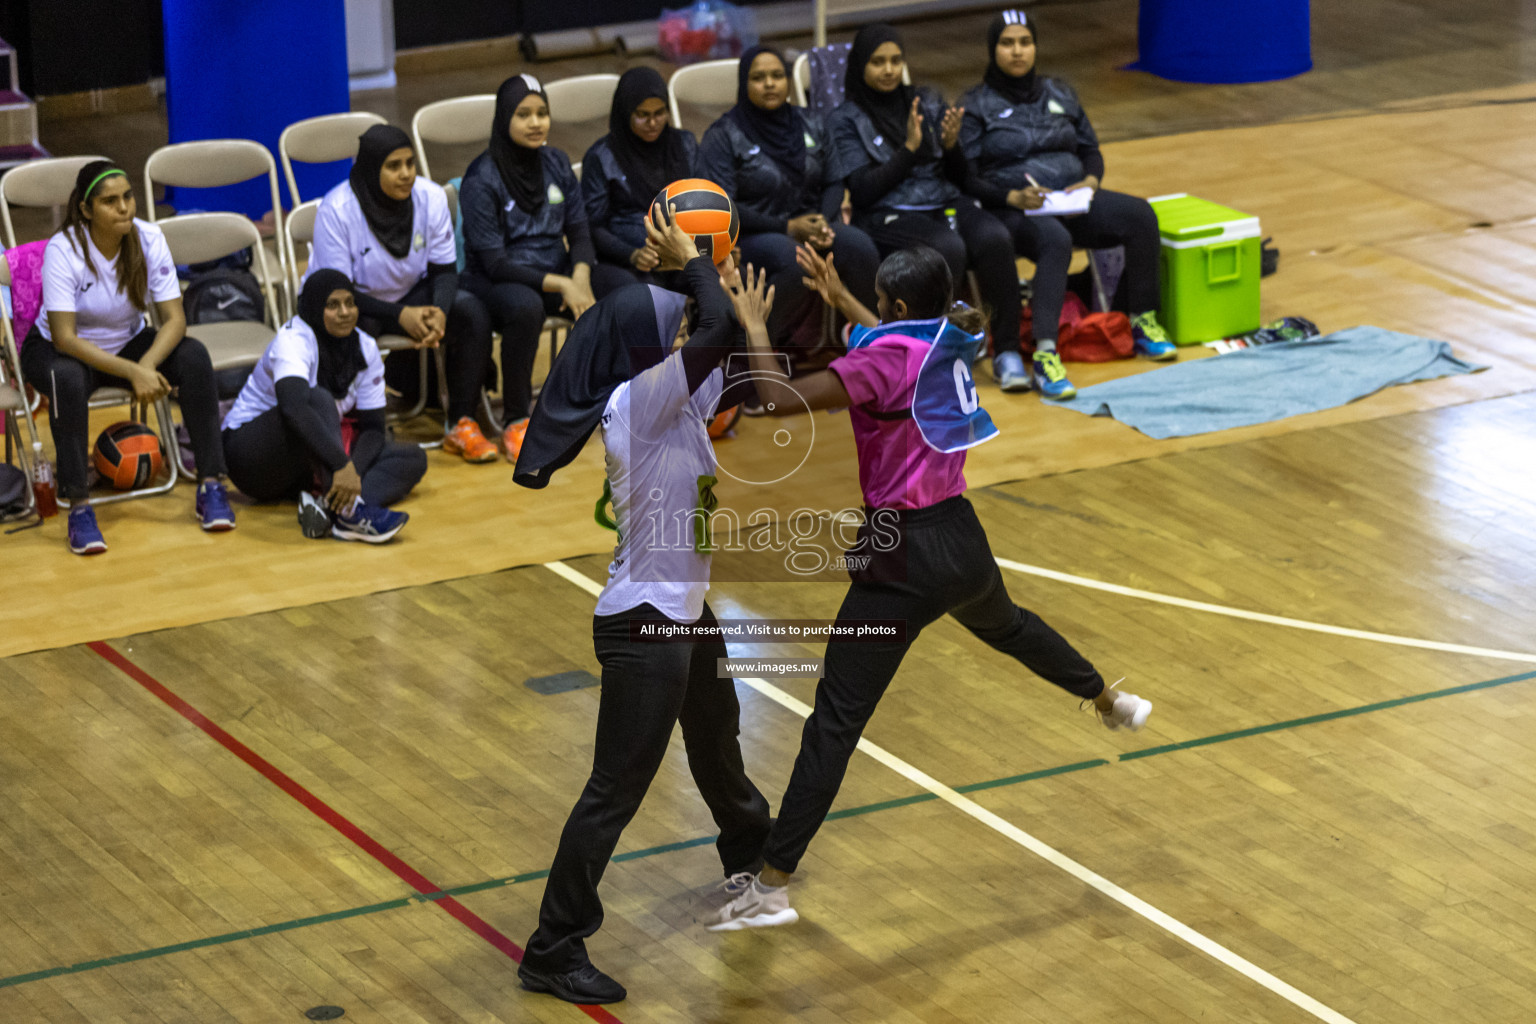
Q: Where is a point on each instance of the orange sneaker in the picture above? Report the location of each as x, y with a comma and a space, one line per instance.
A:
465, 439
512, 439
724, 420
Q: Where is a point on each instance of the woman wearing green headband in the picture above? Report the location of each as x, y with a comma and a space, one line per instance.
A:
100, 274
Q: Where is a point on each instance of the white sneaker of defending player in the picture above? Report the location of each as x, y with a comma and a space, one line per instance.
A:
1129, 711
758, 906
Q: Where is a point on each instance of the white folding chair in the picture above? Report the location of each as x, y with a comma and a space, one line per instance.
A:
581, 97
459, 121
800, 79
321, 140
214, 163
13, 397
579, 109
39, 184
202, 238
707, 83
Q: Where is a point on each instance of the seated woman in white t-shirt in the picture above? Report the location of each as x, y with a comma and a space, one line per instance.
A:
391, 233
100, 274
284, 435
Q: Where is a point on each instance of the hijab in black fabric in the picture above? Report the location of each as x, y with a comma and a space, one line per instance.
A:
888, 110
521, 168
629, 330
341, 359
649, 166
390, 220
1013, 88
778, 131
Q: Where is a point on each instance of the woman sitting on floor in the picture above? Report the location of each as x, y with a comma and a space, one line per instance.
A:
771, 159
527, 249
1023, 136
100, 274
286, 438
390, 232
622, 173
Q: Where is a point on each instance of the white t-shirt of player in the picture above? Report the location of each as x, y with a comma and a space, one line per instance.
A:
294, 352
104, 316
658, 447
344, 241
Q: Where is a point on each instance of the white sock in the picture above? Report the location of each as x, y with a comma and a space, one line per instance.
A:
757, 883
1045, 345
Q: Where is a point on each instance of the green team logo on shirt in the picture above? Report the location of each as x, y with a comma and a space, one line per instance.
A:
1055, 108
419, 242
555, 195
810, 143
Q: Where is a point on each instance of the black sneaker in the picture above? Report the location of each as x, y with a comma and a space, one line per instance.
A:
585, 985
314, 518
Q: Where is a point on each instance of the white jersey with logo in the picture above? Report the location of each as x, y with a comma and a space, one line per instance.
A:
658, 447
344, 241
294, 352
104, 316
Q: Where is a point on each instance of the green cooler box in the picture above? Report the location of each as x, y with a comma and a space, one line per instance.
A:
1210, 265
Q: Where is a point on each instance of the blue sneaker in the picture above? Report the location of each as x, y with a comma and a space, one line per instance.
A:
1050, 377
1151, 340
84, 535
213, 510
1008, 371
368, 523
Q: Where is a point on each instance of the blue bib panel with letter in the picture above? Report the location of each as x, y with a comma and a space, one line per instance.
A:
944, 402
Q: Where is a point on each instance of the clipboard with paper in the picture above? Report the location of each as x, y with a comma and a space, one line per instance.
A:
1060, 204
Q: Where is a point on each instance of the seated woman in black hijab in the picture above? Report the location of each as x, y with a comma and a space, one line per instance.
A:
771, 159
391, 233
284, 436
527, 249
897, 150
1024, 135
621, 174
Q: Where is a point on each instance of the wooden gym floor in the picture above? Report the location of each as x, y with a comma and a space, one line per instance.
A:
249, 775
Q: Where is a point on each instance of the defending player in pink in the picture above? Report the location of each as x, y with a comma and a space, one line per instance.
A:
907, 385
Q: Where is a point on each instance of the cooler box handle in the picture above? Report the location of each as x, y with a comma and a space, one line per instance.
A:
1211, 277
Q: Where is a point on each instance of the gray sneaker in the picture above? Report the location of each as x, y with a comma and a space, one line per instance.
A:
1008, 370
758, 906
314, 520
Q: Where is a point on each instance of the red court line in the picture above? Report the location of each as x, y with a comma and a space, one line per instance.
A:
415, 879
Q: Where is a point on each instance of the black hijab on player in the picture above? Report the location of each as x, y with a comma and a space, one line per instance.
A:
649, 166
521, 168
610, 344
390, 220
1013, 88
777, 131
888, 110
341, 359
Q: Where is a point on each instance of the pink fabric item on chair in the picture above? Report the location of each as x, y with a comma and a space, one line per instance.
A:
26, 262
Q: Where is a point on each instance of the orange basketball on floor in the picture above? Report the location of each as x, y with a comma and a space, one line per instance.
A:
127, 455
705, 212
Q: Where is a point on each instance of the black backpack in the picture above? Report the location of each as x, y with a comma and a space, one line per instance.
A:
221, 294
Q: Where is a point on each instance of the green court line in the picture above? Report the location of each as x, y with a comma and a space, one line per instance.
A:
847, 812
1327, 716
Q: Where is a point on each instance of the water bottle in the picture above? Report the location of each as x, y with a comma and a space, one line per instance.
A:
949, 215
43, 490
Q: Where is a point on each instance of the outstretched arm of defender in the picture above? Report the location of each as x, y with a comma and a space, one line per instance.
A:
822, 277
753, 298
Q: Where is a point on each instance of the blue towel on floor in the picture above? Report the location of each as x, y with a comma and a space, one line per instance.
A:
1269, 382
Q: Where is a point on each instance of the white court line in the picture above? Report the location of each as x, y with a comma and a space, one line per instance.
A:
1275, 620
1209, 947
